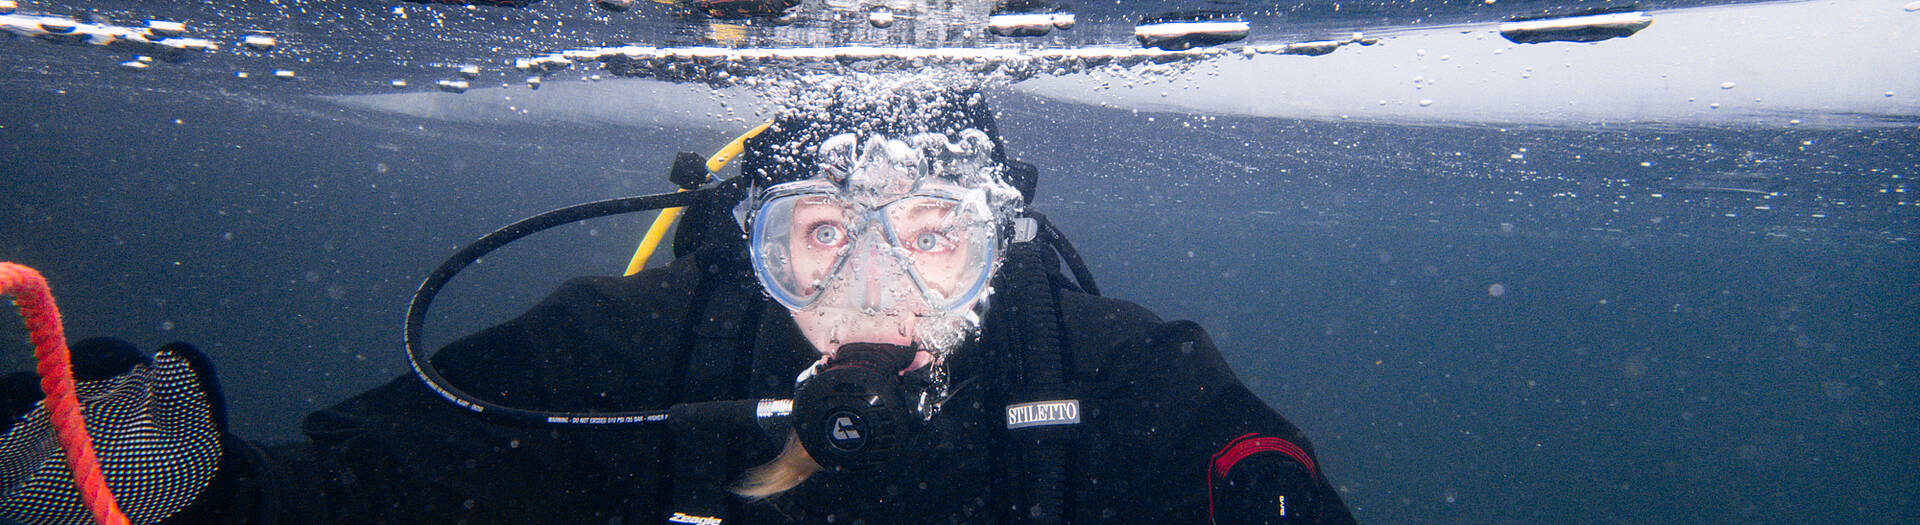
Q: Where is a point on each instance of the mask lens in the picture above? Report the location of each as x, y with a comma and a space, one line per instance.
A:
798, 241
948, 245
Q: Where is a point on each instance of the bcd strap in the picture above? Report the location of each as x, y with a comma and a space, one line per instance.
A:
1042, 434
699, 473
712, 371
1042, 419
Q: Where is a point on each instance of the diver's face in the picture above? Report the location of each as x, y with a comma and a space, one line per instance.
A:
868, 267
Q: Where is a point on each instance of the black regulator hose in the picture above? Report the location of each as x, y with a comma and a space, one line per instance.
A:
856, 408
423, 299
853, 414
1060, 244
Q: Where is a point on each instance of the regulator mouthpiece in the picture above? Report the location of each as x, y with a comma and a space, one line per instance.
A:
856, 411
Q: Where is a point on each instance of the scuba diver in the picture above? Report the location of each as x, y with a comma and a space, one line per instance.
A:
868, 325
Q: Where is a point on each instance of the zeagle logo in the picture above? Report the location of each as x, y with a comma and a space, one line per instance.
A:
682, 517
1043, 413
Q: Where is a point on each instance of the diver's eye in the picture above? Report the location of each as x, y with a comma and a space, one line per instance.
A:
931, 242
828, 234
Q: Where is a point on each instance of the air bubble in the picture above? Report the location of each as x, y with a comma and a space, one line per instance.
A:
58, 26
259, 42
164, 28
880, 17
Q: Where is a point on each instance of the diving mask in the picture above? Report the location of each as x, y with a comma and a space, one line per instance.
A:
889, 227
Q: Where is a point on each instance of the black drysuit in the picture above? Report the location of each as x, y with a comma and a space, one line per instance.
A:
1167, 433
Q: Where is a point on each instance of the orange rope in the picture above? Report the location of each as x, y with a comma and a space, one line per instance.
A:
30, 294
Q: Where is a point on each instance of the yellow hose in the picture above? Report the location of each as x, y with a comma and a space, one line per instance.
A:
665, 220
726, 154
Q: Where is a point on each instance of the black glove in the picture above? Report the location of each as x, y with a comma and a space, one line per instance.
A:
156, 425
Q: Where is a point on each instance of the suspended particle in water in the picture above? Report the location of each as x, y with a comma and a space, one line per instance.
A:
1496, 290
1837, 389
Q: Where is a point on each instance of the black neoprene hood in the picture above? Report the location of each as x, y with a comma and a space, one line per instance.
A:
787, 150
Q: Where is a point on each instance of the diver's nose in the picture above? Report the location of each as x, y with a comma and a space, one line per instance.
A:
869, 281
873, 295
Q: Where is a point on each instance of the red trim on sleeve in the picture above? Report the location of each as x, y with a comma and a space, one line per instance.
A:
1242, 447
1247, 445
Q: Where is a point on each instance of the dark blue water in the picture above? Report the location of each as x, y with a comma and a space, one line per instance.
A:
1471, 348
1467, 337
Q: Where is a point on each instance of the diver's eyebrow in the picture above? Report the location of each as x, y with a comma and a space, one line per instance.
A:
922, 208
818, 208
